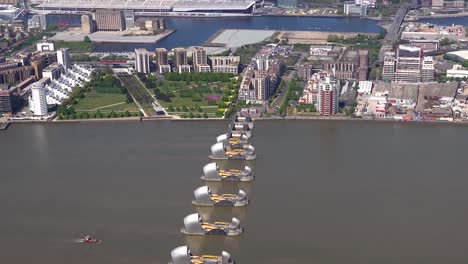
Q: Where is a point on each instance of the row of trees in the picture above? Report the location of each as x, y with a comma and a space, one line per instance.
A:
192, 115
160, 95
464, 63
306, 108
98, 114
104, 82
108, 83
184, 108
371, 43
204, 77
136, 89
294, 92
149, 80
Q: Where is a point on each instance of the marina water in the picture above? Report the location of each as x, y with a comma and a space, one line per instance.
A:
195, 31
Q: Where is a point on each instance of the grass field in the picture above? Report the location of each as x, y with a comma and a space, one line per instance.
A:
95, 100
74, 46
177, 87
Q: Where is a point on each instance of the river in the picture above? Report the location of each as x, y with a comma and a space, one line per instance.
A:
328, 192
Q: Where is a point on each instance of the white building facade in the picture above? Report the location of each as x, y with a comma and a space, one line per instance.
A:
63, 58
37, 100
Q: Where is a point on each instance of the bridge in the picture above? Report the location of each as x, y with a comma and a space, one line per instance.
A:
393, 32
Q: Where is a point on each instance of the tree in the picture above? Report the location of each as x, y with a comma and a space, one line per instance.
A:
127, 114
191, 115
465, 64
87, 39
221, 105
129, 98
445, 42
205, 115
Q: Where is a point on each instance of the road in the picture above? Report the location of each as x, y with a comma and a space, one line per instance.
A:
156, 102
393, 32
287, 79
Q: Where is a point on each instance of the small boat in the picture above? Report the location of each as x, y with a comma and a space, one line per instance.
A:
183, 255
220, 152
213, 173
89, 240
204, 197
194, 225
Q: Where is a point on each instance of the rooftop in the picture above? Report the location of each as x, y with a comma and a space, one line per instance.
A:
149, 4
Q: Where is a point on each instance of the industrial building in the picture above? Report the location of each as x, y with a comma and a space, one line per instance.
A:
109, 20
142, 61
432, 32
225, 64
457, 71
351, 64
88, 25
425, 45
408, 65
350, 8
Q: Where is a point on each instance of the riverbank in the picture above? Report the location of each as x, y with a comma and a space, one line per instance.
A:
4, 126
234, 38
75, 34
275, 118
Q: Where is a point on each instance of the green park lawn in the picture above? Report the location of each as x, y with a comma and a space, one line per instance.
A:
177, 86
74, 45
95, 100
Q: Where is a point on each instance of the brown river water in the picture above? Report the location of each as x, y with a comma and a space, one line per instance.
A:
326, 192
